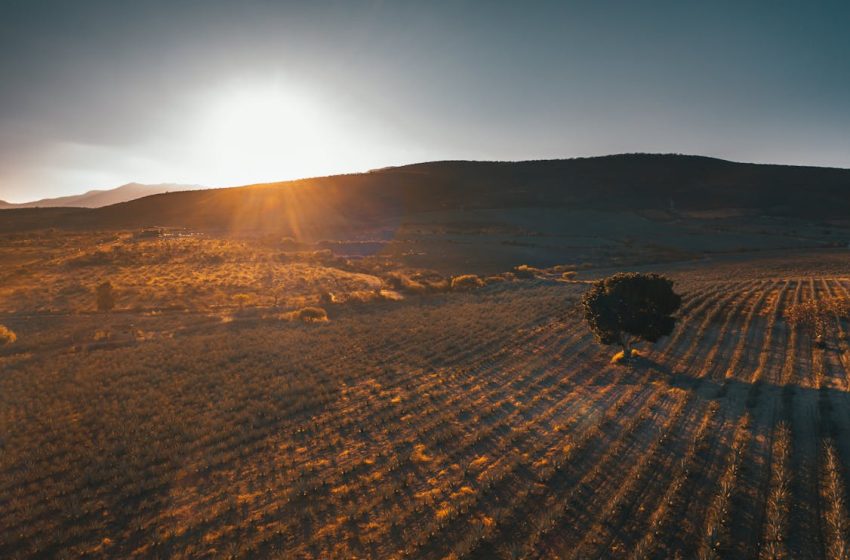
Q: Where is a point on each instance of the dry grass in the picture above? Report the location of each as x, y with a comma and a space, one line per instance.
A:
835, 512
467, 282
7, 336
778, 499
312, 315
620, 357
468, 424
61, 274
526, 271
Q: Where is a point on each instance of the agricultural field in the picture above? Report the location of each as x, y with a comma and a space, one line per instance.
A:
424, 421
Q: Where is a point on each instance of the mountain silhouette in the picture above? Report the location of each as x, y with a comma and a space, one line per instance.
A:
102, 197
321, 206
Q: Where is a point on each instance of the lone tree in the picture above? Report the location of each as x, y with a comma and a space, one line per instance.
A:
105, 297
631, 306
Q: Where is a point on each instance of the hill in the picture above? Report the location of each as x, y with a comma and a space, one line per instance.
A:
100, 197
611, 183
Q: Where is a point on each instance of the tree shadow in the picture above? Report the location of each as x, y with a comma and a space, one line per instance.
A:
739, 397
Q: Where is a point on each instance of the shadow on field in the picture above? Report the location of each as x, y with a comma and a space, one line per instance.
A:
815, 416
739, 397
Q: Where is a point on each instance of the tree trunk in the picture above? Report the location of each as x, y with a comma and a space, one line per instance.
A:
627, 347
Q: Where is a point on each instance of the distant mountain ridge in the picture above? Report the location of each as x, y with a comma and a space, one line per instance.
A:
102, 197
324, 206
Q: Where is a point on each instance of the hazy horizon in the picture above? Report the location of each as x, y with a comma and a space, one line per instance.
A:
189, 186
206, 93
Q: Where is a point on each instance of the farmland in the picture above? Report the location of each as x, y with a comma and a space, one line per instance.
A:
483, 423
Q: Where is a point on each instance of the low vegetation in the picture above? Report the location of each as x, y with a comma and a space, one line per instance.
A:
525, 271
817, 315
312, 315
7, 336
467, 282
452, 423
105, 297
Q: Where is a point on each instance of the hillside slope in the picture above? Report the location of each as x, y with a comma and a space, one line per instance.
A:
98, 198
614, 183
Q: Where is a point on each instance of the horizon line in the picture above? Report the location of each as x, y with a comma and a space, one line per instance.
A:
416, 163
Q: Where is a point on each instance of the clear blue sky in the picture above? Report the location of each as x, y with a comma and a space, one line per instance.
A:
99, 93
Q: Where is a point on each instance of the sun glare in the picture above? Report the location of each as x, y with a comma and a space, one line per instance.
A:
264, 133
256, 132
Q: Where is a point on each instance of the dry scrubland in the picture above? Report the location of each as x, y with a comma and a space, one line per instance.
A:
56, 272
475, 422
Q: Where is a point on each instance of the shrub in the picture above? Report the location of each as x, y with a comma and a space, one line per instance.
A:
105, 297
431, 281
467, 282
524, 271
441, 285
312, 315
102, 334
815, 315
7, 336
363, 296
403, 283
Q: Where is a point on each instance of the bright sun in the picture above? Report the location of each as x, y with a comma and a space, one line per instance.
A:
265, 133
254, 132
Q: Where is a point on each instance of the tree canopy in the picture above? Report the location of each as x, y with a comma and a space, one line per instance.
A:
629, 306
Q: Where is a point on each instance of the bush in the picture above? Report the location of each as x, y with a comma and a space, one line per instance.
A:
305, 314
437, 286
403, 283
7, 336
526, 272
105, 297
467, 282
363, 296
312, 314
102, 334
432, 282
815, 315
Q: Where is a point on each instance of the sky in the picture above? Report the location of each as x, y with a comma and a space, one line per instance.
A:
95, 94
